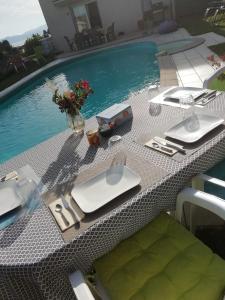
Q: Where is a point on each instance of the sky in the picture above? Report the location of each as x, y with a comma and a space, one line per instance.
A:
18, 16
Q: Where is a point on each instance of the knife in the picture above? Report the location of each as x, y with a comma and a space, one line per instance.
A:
66, 205
172, 145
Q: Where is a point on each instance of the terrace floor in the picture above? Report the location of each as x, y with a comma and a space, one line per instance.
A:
192, 66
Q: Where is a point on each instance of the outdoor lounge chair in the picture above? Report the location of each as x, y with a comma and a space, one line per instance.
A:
70, 43
216, 15
163, 260
82, 40
215, 11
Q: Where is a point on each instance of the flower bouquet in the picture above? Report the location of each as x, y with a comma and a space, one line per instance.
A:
71, 103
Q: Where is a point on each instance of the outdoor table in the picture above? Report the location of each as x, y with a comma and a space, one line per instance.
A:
34, 258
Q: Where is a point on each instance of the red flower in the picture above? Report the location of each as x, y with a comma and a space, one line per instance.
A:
85, 84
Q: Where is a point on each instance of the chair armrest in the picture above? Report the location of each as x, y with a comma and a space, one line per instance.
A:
80, 287
216, 73
199, 180
202, 199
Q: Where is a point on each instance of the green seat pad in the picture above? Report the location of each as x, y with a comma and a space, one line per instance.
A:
163, 261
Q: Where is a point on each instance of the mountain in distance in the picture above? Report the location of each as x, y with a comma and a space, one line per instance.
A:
19, 40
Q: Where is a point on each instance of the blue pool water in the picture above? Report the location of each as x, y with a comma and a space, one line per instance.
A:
29, 117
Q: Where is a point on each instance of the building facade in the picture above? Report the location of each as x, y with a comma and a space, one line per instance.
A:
66, 17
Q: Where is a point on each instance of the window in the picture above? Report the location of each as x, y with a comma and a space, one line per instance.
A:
87, 16
81, 16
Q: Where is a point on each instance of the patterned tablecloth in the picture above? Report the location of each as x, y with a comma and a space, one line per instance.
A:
34, 258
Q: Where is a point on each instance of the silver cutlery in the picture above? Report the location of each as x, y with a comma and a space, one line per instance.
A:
58, 209
207, 98
67, 206
169, 144
10, 176
157, 145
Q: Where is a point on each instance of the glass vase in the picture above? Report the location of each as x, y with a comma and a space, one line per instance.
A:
76, 122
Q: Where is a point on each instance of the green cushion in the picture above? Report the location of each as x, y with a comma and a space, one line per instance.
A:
162, 261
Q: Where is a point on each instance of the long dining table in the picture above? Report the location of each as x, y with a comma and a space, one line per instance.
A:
36, 257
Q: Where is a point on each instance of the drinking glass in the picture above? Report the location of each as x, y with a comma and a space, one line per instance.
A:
187, 104
26, 189
116, 147
154, 108
153, 90
191, 119
115, 142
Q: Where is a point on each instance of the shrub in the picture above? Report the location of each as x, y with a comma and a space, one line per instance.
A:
5, 47
31, 43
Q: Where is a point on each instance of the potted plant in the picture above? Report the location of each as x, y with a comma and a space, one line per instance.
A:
71, 103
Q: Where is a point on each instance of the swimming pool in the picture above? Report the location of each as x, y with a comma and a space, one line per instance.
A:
29, 117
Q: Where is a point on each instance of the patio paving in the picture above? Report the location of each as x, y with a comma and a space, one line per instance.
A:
212, 38
192, 65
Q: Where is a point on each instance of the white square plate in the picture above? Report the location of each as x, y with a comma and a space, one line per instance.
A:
105, 187
177, 93
206, 123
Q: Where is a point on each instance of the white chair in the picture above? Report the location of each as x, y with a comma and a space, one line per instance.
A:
217, 72
195, 196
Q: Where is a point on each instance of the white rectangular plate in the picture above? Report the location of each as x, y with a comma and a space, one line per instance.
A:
179, 92
103, 188
9, 199
206, 123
